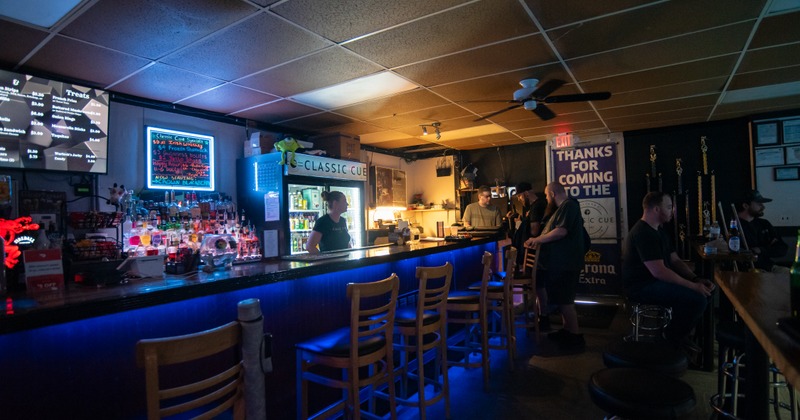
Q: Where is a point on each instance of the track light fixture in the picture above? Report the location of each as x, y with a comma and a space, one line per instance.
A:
435, 126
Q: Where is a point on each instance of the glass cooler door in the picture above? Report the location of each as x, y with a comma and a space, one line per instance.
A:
354, 213
305, 207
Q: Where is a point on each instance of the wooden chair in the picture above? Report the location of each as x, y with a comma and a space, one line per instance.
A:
205, 398
466, 310
366, 343
500, 301
525, 285
422, 328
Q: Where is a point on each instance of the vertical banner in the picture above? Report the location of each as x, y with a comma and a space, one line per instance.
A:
590, 175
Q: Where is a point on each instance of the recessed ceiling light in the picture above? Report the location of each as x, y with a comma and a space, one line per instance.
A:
762, 92
44, 13
358, 90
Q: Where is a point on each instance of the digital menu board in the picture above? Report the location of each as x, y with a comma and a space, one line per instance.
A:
179, 160
51, 125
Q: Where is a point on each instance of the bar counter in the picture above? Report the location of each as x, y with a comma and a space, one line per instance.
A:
72, 354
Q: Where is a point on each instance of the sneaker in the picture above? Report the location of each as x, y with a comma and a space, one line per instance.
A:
559, 336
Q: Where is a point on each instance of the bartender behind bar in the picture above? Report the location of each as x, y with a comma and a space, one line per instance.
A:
482, 214
330, 230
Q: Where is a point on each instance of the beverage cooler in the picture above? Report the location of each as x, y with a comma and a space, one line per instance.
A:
284, 202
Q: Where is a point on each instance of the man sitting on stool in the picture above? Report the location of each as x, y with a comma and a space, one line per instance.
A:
654, 274
760, 235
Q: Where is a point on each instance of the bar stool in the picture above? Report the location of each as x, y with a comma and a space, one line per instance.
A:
500, 302
648, 320
525, 285
640, 393
209, 395
659, 357
466, 309
422, 328
367, 342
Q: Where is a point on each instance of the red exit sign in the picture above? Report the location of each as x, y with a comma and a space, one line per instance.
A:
564, 140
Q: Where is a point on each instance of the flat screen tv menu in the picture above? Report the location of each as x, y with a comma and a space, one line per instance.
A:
51, 125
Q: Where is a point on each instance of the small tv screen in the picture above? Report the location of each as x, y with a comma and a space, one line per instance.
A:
179, 160
51, 125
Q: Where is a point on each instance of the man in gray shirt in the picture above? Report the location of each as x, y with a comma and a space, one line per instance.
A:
482, 214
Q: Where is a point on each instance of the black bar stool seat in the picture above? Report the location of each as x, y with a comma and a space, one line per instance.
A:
660, 357
637, 393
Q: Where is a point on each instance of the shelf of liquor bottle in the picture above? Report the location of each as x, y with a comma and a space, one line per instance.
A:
303, 210
301, 230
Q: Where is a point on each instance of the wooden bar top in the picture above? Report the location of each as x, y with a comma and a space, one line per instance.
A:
25, 311
761, 299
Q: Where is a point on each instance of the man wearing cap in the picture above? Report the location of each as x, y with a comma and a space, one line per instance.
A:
530, 218
759, 234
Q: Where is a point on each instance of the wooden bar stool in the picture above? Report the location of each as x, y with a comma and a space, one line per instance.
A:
466, 311
204, 395
367, 342
525, 285
500, 302
422, 328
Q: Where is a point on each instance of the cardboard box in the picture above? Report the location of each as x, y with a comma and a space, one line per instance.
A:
263, 141
339, 145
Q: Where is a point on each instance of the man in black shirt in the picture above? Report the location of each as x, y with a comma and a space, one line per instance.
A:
654, 274
759, 234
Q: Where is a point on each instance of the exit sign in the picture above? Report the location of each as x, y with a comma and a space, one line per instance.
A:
564, 140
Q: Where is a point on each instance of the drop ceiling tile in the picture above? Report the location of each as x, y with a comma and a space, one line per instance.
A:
165, 83
250, 46
531, 121
152, 28
82, 61
667, 105
762, 105
721, 41
353, 127
276, 111
399, 143
317, 122
661, 93
648, 24
25, 40
664, 76
771, 58
765, 78
498, 86
776, 30
465, 27
228, 98
340, 21
552, 14
388, 106
324, 68
564, 127
424, 116
515, 54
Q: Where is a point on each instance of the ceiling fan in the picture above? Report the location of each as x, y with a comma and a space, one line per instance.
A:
534, 98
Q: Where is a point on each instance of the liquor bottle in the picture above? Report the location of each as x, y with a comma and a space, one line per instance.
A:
713, 232
733, 239
794, 282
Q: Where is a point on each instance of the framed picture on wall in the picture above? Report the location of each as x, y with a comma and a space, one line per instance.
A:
791, 131
792, 155
772, 156
767, 133
790, 173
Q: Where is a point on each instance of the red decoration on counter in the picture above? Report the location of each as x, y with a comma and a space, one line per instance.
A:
9, 229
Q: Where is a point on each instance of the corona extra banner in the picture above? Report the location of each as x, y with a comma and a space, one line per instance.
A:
590, 174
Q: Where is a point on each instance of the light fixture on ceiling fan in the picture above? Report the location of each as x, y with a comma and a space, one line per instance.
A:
533, 97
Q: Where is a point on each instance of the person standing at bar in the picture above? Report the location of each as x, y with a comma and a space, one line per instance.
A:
330, 230
759, 234
482, 214
654, 274
561, 257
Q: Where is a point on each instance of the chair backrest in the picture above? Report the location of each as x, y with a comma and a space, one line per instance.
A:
207, 397
511, 261
530, 261
433, 297
372, 309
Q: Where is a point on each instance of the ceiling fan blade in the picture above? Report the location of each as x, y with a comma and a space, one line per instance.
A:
498, 112
547, 88
544, 112
578, 97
